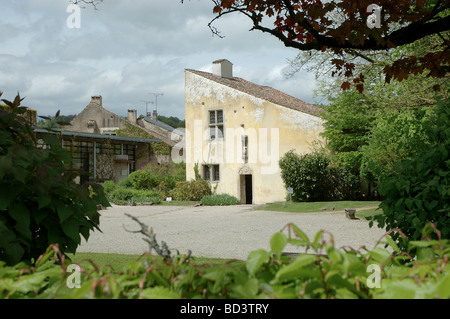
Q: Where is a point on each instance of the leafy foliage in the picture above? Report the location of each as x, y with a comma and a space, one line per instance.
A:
306, 174
219, 200
40, 204
130, 130
313, 178
152, 175
419, 192
152, 183
327, 272
341, 28
172, 121
52, 122
120, 195
193, 190
396, 134
347, 122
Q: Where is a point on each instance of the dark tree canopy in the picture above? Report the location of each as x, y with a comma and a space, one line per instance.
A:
348, 27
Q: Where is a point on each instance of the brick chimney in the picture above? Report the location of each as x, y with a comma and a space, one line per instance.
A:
96, 99
223, 68
132, 116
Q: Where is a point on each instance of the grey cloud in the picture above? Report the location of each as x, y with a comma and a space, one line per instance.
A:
126, 50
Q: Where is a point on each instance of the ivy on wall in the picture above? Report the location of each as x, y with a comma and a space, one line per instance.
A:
160, 148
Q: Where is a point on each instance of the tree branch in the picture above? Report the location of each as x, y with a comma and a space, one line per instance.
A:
163, 251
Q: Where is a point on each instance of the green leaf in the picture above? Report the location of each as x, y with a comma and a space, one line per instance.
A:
423, 243
379, 254
277, 243
296, 269
317, 237
20, 213
248, 290
425, 254
44, 200
5, 165
397, 289
443, 287
392, 243
255, 259
71, 230
64, 212
299, 233
159, 293
335, 255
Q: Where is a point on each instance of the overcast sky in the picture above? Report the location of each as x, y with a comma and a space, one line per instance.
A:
126, 50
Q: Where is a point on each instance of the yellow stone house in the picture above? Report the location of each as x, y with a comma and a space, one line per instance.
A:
237, 131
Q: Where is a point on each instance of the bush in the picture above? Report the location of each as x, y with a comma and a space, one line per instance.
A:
306, 174
40, 204
327, 272
109, 186
153, 176
420, 192
345, 185
193, 190
220, 200
314, 177
148, 199
121, 195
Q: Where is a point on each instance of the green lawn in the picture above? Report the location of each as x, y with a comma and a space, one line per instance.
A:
312, 207
366, 213
177, 203
119, 261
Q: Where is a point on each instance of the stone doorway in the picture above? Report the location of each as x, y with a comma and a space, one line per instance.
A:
246, 185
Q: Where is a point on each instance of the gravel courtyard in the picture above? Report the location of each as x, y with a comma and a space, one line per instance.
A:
221, 232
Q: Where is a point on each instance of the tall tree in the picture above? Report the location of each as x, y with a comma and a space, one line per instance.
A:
350, 28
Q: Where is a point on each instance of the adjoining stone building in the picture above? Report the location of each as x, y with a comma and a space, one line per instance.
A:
237, 131
95, 118
103, 157
110, 147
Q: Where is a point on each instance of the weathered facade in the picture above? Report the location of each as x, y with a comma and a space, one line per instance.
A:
236, 132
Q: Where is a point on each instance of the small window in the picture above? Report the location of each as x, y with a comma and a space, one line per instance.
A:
216, 173
244, 147
212, 117
206, 173
211, 173
216, 127
219, 117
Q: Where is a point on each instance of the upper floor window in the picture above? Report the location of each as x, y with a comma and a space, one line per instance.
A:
216, 124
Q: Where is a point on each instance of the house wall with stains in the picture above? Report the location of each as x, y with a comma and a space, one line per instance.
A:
271, 130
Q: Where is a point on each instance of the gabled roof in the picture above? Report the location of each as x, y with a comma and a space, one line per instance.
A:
263, 92
96, 105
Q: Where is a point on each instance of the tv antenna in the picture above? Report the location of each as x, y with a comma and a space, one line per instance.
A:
156, 99
146, 106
